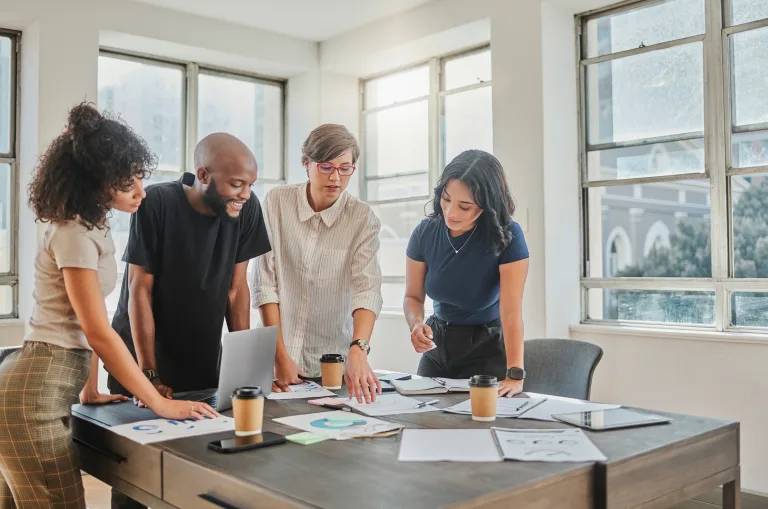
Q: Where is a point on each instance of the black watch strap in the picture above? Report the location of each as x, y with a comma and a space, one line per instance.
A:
516, 373
151, 374
362, 344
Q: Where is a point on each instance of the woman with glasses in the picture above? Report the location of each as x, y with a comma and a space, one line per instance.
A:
321, 284
471, 258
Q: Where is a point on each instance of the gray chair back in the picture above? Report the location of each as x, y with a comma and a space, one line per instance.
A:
560, 367
6, 351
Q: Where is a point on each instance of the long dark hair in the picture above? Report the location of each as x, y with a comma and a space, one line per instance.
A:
96, 153
483, 174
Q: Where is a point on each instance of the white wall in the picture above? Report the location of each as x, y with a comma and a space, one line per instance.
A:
711, 378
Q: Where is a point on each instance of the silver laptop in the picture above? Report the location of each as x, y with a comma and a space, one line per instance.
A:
247, 358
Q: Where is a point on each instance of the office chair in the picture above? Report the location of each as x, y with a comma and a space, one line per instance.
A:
560, 367
6, 351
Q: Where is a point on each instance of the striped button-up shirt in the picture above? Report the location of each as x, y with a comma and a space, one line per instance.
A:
322, 267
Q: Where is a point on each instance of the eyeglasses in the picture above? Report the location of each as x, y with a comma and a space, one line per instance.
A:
328, 169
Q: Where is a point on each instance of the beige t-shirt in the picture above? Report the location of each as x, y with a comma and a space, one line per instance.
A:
68, 244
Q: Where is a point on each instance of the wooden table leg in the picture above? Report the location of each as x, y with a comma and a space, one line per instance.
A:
732, 492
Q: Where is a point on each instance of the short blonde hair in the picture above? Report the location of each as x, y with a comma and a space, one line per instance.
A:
328, 142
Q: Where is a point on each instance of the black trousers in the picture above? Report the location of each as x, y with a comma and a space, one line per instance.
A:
464, 350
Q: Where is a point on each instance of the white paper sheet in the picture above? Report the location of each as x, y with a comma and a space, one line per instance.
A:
552, 445
302, 391
466, 445
338, 425
505, 407
390, 404
159, 430
558, 405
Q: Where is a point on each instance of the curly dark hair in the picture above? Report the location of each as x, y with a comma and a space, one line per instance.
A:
483, 174
96, 153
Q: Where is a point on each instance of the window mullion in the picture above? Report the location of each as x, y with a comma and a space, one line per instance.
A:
435, 128
190, 133
715, 142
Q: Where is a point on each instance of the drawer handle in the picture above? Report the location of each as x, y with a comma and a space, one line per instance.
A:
114, 457
217, 502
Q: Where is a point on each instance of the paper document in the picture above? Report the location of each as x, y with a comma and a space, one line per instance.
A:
301, 391
390, 404
556, 405
470, 445
159, 430
339, 425
549, 445
505, 407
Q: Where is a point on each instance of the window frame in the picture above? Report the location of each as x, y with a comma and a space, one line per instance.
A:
190, 101
436, 111
190, 105
11, 278
718, 132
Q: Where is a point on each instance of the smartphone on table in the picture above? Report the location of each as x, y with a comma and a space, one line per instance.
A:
238, 444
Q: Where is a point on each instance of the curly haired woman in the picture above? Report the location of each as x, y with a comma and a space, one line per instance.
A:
96, 165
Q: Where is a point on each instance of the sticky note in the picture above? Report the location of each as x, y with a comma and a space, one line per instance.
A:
306, 438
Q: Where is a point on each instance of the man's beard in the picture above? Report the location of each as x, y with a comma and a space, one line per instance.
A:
213, 199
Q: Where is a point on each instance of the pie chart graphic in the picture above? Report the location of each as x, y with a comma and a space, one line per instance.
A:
335, 423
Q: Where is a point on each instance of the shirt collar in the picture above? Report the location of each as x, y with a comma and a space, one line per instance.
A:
329, 215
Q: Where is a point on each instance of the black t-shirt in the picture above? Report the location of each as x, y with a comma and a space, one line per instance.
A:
192, 257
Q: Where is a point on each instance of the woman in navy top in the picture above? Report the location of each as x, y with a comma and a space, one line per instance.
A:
471, 258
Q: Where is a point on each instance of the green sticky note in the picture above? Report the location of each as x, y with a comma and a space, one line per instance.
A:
306, 438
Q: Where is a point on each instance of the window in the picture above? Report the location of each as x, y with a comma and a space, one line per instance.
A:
9, 87
413, 123
173, 105
690, 201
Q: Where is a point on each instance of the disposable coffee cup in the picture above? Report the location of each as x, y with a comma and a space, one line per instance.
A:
332, 369
248, 407
483, 393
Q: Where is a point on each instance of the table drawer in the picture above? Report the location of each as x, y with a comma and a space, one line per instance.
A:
188, 485
104, 454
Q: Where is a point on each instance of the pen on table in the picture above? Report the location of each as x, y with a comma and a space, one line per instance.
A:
542, 400
336, 407
425, 403
522, 406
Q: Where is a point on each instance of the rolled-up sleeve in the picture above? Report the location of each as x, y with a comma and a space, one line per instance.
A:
366, 271
263, 273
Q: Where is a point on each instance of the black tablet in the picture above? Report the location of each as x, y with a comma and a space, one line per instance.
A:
599, 420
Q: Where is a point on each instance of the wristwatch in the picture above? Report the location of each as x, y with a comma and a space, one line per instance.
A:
150, 374
516, 373
363, 344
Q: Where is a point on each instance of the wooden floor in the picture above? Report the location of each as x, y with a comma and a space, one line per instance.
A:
97, 496
714, 499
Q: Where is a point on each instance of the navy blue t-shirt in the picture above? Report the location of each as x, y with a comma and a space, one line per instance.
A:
464, 286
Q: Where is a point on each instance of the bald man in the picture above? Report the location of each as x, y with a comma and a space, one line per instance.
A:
187, 255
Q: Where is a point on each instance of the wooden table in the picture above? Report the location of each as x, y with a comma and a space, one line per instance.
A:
647, 467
